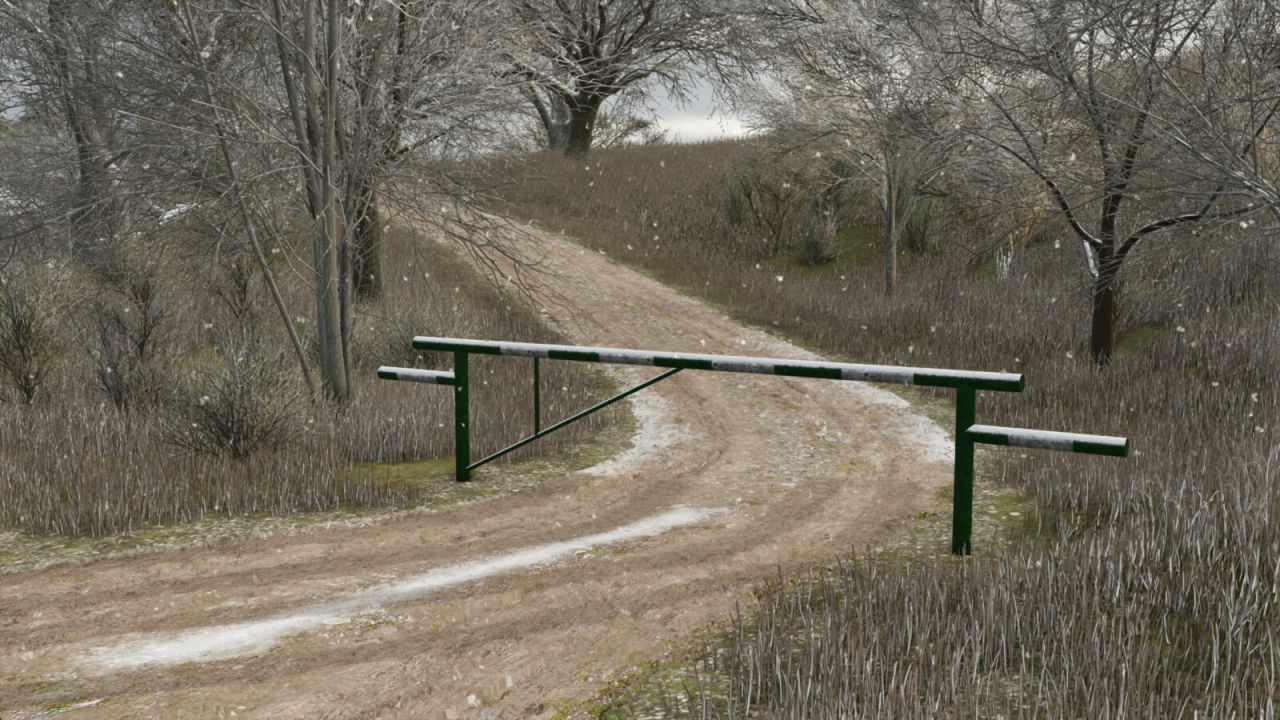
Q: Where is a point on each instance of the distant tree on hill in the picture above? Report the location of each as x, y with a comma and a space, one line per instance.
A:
575, 55
616, 125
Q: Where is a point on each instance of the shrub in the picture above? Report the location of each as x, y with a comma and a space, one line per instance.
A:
234, 287
818, 230
246, 402
27, 338
127, 325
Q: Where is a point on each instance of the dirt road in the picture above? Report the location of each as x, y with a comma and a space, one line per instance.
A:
507, 607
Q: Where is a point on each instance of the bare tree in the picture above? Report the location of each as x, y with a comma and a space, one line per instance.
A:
621, 123
200, 44
29, 310
367, 89
1076, 91
577, 54
1230, 101
310, 44
420, 73
856, 82
67, 71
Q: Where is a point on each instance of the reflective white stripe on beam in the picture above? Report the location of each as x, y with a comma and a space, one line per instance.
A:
873, 373
434, 377
529, 352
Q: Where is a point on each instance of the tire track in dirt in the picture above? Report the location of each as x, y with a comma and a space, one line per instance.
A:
807, 469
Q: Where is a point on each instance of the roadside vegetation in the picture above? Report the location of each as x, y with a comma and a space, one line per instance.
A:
1138, 587
170, 394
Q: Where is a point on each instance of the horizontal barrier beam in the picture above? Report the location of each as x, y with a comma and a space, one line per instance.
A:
929, 377
434, 377
1049, 440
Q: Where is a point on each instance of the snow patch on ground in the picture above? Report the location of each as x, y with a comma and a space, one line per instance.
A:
221, 642
654, 431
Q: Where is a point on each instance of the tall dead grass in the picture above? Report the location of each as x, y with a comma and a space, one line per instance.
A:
1141, 588
193, 441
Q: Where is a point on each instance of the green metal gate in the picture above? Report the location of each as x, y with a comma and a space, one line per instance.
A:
966, 384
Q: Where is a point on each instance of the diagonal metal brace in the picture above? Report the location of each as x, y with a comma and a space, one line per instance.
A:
574, 418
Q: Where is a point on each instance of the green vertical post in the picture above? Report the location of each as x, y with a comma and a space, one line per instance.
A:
537, 397
461, 418
962, 500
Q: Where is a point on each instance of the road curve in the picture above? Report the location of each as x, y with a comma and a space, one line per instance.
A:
761, 472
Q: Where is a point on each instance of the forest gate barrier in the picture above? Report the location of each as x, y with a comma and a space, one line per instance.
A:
965, 383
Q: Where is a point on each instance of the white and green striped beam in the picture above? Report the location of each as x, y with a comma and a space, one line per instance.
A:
1049, 440
431, 377
930, 377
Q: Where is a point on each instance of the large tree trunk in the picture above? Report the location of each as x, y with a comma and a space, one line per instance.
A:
582, 126
94, 213
1103, 328
367, 245
79, 92
553, 115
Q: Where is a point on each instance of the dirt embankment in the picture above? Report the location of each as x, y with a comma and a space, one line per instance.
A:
506, 607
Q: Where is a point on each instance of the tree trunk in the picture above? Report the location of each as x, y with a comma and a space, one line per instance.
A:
78, 89
582, 125
553, 115
92, 218
329, 326
889, 212
1103, 329
330, 249
367, 250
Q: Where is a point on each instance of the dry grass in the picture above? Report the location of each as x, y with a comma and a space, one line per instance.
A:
73, 463
1141, 588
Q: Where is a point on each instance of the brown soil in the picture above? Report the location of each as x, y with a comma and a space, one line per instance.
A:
807, 469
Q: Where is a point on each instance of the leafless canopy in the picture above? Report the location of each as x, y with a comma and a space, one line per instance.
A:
575, 55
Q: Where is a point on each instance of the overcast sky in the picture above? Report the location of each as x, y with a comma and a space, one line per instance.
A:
697, 119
